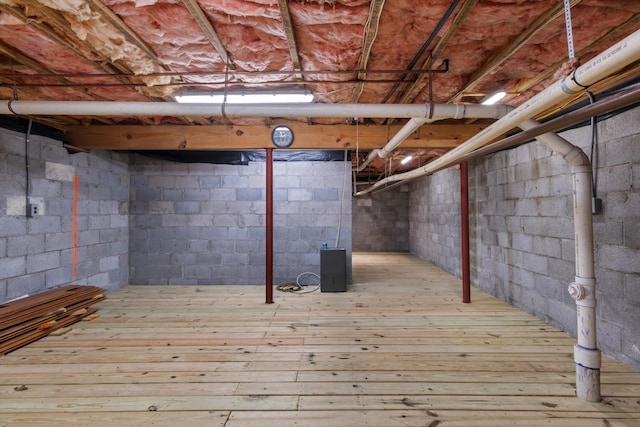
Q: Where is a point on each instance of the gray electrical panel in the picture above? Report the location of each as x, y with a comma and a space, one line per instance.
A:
333, 270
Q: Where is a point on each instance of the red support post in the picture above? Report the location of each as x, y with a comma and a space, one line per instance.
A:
269, 228
464, 231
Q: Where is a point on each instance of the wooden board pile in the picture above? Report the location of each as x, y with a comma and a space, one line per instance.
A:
28, 319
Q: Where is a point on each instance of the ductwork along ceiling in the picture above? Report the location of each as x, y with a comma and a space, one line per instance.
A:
343, 51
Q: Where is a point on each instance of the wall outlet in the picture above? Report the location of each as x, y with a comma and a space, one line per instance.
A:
32, 210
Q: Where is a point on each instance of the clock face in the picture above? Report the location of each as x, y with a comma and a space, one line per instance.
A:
282, 136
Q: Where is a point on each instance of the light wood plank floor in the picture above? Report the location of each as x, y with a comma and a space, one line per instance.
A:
397, 349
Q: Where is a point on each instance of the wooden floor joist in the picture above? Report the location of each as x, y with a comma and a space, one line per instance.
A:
397, 349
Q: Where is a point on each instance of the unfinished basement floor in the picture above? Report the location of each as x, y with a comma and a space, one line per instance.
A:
397, 349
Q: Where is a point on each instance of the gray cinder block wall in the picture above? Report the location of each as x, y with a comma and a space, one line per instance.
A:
434, 219
37, 253
196, 223
381, 221
522, 242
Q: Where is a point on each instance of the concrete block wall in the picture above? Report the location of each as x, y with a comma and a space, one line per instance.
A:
204, 224
37, 253
381, 222
522, 242
434, 219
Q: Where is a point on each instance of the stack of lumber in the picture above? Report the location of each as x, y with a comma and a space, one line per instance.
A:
28, 319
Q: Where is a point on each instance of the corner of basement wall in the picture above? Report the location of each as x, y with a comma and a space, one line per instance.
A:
381, 221
37, 253
522, 238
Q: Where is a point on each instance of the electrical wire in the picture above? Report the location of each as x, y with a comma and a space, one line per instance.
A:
26, 164
344, 182
298, 287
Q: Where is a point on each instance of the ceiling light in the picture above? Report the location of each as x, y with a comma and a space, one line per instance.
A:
493, 98
247, 97
406, 160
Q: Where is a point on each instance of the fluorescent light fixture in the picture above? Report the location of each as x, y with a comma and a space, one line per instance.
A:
406, 160
247, 97
494, 98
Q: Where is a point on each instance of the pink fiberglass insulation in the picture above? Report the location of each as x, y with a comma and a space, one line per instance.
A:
168, 29
60, 60
404, 27
541, 54
329, 38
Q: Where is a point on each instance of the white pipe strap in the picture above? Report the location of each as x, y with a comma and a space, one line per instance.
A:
587, 357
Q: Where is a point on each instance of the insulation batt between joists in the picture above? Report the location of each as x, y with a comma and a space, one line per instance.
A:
90, 26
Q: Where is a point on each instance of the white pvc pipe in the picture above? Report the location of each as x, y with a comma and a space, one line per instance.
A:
411, 126
439, 113
116, 108
586, 354
608, 62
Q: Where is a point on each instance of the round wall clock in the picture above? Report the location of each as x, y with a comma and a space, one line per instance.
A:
282, 136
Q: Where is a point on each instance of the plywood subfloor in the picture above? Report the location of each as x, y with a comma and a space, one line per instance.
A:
397, 349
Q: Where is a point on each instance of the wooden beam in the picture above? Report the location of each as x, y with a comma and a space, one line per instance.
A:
128, 33
370, 33
51, 24
291, 38
204, 23
320, 137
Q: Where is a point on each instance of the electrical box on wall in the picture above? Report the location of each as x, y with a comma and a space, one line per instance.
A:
32, 210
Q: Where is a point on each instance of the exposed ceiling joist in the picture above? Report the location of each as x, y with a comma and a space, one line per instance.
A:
370, 33
527, 84
56, 28
291, 38
436, 52
204, 24
510, 48
130, 35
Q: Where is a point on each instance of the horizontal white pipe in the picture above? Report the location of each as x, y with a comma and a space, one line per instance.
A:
610, 61
439, 111
117, 108
403, 133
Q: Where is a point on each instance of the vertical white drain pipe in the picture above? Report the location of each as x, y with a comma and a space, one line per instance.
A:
586, 353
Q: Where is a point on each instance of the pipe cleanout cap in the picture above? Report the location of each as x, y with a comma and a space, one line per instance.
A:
577, 292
